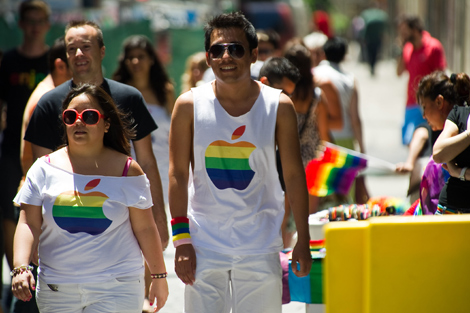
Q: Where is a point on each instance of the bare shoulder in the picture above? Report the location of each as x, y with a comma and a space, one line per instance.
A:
285, 105
135, 169
185, 101
120, 161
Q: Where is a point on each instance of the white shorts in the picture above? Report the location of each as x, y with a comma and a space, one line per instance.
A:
118, 295
243, 284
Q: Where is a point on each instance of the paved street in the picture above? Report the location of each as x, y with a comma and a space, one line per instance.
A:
382, 103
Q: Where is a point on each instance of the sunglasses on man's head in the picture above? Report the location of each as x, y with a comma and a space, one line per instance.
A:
88, 116
235, 50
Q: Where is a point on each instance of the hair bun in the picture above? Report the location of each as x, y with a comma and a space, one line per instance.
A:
453, 78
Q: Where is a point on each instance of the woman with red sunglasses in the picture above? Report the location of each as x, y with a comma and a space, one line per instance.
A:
81, 205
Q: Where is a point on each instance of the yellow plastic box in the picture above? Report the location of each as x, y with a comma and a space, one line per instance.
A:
398, 264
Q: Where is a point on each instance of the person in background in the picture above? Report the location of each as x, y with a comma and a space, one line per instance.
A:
59, 73
345, 87
314, 42
280, 73
82, 204
268, 46
421, 55
452, 147
23, 67
311, 102
140, 67
195, 67
375, 24
226, 262
311, 107
437, 94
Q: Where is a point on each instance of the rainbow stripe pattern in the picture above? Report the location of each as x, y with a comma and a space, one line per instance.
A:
77, 212
180, 231
333, 172
227, 164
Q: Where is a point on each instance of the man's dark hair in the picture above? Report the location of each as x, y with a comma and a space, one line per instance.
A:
275, 69
335, 49
231, 20
57, 51
412, 21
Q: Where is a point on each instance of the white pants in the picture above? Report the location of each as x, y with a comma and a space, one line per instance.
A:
243, 284
118, 295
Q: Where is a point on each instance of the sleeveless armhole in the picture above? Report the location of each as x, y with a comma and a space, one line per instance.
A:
126, 167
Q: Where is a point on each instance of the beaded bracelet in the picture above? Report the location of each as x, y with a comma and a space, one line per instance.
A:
180, 231
158, 276
20, 270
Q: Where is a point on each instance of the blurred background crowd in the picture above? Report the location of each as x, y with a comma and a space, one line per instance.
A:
175, 27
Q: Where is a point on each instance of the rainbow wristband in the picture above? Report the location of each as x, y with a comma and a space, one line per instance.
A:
180, 231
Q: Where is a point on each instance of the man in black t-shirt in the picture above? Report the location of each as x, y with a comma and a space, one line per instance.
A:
85, 51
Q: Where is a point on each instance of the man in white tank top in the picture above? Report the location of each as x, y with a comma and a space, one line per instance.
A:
226, 225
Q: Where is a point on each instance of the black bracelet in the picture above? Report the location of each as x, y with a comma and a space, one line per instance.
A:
158, 276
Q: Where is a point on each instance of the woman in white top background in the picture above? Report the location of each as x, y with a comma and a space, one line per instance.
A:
82, 204
140, 67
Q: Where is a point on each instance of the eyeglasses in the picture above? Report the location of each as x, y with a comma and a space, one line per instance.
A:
88, 116
235, 50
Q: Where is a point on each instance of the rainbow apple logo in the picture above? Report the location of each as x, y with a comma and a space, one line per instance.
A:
76, 212
227, 164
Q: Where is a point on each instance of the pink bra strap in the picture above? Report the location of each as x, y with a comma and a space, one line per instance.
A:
48, 158
126, 167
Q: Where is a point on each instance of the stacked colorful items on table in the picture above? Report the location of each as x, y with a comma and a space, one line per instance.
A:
333, 172
376, 206
308, 289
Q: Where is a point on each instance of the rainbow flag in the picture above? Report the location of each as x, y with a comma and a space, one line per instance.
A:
333, 172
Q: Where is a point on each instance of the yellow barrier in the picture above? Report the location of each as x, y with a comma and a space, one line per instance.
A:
398, 264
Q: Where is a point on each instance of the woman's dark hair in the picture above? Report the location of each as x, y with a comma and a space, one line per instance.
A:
299, 55
119, 133
231, 20
158, 77
454, 89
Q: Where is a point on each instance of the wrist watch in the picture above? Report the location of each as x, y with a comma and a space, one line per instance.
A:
462, 174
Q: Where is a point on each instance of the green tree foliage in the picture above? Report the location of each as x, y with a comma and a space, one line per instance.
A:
314, 5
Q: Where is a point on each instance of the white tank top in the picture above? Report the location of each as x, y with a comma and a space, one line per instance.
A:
344, 83
236, 203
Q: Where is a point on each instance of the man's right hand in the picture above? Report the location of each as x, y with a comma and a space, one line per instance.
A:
185, 263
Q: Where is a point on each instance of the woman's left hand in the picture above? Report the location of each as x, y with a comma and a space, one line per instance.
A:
21, 284
159, 291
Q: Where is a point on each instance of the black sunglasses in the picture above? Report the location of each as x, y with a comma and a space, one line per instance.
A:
88, 116
235, 50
